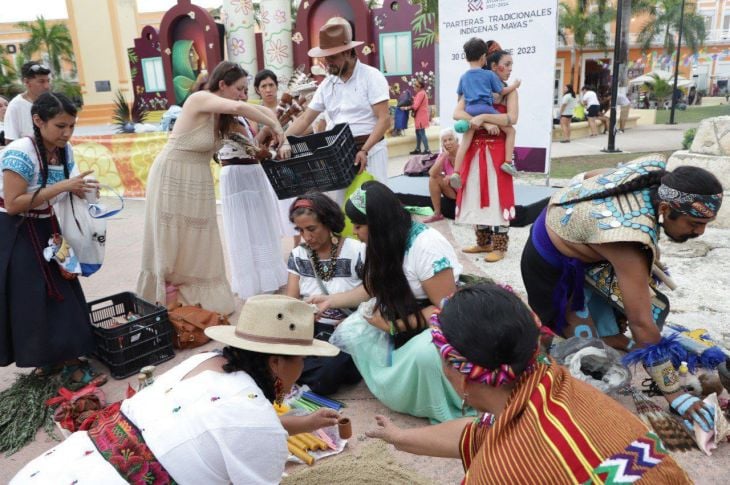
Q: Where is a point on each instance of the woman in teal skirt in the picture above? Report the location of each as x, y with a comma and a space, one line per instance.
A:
409, 269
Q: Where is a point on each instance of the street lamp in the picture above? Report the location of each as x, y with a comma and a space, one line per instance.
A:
676, 65
611, 148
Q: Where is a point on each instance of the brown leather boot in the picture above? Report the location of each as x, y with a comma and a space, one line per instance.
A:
484, 242
500, 242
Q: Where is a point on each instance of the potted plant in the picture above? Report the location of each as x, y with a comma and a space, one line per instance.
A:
125, 117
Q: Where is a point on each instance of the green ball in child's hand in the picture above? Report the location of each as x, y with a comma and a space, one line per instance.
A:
461, 126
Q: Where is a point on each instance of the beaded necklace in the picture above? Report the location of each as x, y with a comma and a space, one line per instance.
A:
325, 271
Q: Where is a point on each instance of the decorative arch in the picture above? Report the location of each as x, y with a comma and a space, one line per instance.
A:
192, 23
313, 14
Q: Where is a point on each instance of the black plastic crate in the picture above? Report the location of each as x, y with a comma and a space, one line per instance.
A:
127, 348
320, 161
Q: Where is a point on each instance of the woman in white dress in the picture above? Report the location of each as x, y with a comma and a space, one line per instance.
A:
210, 419
266, 85
181, 247
249, 207
325, 264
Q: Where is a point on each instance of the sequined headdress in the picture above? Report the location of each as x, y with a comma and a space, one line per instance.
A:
695, 205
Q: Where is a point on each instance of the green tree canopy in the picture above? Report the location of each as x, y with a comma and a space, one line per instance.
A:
664, 16
587, 22
52, 40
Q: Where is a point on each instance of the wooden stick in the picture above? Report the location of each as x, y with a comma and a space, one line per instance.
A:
663, 277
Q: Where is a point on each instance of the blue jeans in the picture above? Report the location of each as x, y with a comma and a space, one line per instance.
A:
421, 137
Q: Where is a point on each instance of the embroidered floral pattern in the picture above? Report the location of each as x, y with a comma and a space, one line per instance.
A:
441, 264
19, 162
122, 445
416, 229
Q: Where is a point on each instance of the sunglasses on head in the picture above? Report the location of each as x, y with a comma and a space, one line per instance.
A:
38, 67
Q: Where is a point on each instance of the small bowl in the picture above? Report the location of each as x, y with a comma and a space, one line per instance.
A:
724, 373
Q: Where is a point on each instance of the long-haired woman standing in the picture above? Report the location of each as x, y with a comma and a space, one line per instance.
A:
182, 245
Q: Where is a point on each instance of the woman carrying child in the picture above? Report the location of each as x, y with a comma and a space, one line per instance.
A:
486, 199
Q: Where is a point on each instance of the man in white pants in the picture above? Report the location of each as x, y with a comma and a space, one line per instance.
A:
352, 93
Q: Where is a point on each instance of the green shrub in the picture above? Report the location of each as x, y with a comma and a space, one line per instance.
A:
689, 137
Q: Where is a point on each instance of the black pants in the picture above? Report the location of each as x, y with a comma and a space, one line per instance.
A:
325, 375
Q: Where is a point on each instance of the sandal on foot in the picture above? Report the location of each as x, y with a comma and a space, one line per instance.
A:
47, 370
82, 373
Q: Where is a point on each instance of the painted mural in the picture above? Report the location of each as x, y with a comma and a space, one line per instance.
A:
190, 41
399, 40
123, 161
148, 77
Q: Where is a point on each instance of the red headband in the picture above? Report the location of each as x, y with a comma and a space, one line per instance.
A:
303, 204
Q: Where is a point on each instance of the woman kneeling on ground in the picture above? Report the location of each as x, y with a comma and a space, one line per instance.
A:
325, 264
439, 174
207, 420
539, 424
409, 269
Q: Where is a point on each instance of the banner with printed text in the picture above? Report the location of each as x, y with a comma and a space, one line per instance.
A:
528, 30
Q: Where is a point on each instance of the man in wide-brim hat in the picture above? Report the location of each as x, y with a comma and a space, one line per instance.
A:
352, 93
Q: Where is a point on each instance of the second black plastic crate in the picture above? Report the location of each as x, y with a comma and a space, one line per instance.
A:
320, 161
126, 348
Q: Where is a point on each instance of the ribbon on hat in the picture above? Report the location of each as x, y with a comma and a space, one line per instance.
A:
695, 205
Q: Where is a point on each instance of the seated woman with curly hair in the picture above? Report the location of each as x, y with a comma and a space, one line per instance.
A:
325, 263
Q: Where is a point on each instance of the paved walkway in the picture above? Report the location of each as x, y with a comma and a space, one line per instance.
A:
643, 138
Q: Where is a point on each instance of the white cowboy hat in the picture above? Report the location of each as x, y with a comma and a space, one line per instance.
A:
274, 324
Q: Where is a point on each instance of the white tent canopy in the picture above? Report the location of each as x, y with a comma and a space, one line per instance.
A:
682, 82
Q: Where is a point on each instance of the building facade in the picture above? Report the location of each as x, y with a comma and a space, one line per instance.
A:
709, 68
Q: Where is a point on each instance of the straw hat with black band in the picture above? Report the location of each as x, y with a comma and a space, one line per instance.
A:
334, 37
276, 325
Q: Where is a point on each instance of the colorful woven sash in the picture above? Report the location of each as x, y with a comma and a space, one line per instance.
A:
481, 142
558, 430
122, 445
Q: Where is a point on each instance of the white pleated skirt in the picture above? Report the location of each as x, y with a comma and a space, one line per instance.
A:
252, 230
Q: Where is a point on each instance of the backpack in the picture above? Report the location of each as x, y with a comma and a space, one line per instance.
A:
419, 165
189, 324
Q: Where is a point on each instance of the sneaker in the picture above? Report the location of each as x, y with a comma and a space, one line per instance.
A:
427, 152
434, 218
455, 181
564, 141
415, 152
510, 169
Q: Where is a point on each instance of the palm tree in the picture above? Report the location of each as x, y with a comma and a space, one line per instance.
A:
8, 78
587, 24
659, 88
664, 20
52, 40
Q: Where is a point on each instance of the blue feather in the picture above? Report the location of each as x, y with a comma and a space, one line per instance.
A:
712, 357
667, 347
